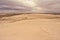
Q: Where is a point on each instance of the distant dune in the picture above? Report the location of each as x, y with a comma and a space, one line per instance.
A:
28, 16
29, 26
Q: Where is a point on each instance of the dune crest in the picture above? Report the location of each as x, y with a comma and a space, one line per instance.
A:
14, 18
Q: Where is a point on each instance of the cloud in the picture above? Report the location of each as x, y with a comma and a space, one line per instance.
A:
50, 5
10, 6
30, 6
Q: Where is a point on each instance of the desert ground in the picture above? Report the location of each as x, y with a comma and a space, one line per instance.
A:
30, 27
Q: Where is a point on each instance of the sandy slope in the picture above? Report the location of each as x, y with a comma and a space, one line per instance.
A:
36, 29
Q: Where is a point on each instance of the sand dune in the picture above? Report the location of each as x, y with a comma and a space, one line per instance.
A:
14, 18
30, 27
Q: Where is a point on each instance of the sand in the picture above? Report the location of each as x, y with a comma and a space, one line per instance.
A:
30, 27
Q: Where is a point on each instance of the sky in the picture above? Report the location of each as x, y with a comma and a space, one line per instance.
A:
37, 6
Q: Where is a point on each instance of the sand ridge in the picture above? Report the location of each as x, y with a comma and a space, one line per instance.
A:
29, 17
